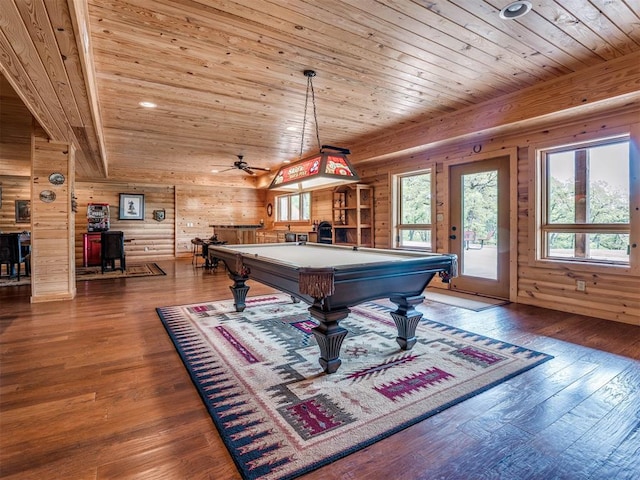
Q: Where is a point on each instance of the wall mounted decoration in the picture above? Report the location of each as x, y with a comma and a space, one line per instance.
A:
56, 178
23, 211
47, 196
131, 206
159, 215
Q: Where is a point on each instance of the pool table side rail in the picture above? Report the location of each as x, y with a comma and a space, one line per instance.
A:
363, 282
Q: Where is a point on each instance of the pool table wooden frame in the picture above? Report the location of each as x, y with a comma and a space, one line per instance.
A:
330, 287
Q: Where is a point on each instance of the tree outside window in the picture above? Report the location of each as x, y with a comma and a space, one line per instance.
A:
413, 200
294, 207
586, 198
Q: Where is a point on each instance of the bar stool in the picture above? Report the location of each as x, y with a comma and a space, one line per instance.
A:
197, 251
212, 262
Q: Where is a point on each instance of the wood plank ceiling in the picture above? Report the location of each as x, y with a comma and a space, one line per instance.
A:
227, 76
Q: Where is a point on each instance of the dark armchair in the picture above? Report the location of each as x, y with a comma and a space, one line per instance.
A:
13, 254
112, 249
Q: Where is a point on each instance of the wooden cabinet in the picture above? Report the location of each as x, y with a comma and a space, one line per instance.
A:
91, 249
269, 236
353, 215
281, 236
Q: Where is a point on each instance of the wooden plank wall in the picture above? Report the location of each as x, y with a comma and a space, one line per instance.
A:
322, 205
191, 209
15, 133
53, 275
148, 240
321, 209
612, 296
13, 188
199, 207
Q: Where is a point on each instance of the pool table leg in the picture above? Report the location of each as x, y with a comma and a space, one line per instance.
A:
406, 318
329, 336
239, 290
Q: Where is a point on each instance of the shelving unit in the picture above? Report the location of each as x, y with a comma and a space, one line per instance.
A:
353, 215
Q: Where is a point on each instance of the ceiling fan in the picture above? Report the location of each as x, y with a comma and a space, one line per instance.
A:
240, 164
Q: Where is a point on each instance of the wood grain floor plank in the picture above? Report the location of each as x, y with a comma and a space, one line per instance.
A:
94, 389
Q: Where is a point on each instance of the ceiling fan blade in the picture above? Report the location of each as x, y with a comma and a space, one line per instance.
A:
226, 169
248, 170
261, 169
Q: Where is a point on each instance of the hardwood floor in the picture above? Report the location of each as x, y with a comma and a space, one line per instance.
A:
93, 389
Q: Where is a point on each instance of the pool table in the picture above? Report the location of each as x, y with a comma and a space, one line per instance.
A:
332, 278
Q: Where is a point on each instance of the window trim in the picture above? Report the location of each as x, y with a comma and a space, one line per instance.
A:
397, 214
289, 196
538, 206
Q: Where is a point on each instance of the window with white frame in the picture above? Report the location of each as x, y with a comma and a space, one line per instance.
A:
585, 202
295, 207
413, 210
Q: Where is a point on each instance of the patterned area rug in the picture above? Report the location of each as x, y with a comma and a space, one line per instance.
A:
133, 270
280, 416
95, 273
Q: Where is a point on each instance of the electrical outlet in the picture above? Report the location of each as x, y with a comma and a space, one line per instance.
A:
581, 285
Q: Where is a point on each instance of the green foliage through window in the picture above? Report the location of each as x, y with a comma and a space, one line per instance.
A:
413, 229
586, 192
294, 207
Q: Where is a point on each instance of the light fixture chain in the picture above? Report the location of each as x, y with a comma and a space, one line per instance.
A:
309, 74
304, 120
315, 114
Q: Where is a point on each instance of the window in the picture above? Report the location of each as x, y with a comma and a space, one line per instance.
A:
585, 199
413, 211
293, 208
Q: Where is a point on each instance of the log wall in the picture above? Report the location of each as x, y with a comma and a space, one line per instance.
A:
145, 240
191, 209
610, 294
188, 213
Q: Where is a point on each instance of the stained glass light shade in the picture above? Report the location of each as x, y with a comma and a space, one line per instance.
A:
322, 170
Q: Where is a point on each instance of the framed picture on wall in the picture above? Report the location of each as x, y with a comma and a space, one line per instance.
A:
131, 206
23, 211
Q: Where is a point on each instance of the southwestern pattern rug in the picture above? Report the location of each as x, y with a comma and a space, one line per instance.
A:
280, 416
95, 273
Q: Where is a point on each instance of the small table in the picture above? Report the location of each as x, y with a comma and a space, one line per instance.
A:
332, 278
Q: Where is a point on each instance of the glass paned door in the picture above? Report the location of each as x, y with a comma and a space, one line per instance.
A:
480, 226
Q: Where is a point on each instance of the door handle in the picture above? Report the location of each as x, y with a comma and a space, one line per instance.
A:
452, 237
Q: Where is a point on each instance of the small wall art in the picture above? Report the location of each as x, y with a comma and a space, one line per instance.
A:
23, 211
131, 206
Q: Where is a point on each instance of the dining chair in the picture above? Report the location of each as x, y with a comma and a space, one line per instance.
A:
13, 255
112, 249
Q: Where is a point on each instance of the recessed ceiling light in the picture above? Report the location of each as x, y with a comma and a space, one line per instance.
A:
287, 161
292, 129
214, 171
148, 104
515, 10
